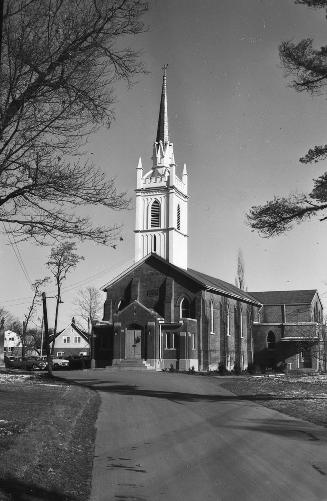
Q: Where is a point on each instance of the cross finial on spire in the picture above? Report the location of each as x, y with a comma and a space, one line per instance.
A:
162, 130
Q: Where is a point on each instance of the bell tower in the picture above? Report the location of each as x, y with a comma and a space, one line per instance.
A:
161, 198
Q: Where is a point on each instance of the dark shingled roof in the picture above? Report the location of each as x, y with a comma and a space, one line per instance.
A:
285, 297
203, 280
222, 286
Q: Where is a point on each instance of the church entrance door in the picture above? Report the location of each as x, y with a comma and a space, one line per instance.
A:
133, 344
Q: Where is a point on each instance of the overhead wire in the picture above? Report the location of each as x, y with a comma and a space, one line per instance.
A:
74, 285
18, 255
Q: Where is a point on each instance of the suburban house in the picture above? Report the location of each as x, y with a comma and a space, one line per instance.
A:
12, 344
161, 314
72, 341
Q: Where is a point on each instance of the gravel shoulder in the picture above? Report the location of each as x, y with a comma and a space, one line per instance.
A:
301, 397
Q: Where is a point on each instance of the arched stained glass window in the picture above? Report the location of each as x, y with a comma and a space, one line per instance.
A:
228, 321
211, 317
155, 214
184, 308
271, 340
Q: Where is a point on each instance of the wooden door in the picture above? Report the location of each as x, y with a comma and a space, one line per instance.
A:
133, 343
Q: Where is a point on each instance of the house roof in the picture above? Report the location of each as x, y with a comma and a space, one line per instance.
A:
285, 297
204, 281
82, 333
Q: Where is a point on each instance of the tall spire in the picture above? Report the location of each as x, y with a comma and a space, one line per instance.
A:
162, 131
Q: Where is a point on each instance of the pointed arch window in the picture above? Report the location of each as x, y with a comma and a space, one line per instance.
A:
271, 340
178, 217
211, 318
155, 214
228, 321
241, 322
184, 308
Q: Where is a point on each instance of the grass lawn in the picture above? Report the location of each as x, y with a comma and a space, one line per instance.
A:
47, 431
303, 397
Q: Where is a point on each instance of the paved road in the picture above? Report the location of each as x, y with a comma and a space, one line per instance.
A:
171, 437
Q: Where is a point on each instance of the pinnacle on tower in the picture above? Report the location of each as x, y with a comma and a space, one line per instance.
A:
162, 130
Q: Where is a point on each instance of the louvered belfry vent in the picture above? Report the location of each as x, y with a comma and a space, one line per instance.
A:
155, 214
178, 217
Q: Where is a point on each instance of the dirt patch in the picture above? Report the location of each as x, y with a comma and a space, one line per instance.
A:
301, 397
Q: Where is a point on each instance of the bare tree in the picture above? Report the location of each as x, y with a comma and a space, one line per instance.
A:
6, 315
62, 260
306, 66
23, 331
240, 272
60, 62
90, 304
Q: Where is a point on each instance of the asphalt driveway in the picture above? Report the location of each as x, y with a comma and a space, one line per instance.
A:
175, 437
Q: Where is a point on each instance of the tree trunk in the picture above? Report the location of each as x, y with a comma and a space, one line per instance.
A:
56, 318
46, 333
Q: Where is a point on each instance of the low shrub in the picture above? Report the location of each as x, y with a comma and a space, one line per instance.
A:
251, 368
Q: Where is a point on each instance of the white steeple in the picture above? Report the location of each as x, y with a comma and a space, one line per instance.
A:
161, 198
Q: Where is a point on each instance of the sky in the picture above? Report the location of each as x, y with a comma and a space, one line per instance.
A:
236, 124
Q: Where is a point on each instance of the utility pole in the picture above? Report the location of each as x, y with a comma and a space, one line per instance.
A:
2, 343
90, 327
42, 334
46, 332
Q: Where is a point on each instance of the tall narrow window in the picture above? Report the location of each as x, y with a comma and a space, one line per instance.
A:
170, 340
184, 309
271, 340
154, 243
228, 321
178, 217
155, 214
211, 318
241, 322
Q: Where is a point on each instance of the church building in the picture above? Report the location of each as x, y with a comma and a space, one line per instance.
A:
159, 313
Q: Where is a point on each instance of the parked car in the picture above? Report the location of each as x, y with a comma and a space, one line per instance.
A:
60, 363
13, 362
33, 363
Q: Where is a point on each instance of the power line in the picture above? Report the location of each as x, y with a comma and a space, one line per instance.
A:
75, 285
18, 256
15, 299
81, 282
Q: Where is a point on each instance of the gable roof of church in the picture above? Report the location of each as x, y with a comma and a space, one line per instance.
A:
217, 285
285, 297
204, 281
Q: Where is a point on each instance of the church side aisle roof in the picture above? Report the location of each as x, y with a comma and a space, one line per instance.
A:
285, 297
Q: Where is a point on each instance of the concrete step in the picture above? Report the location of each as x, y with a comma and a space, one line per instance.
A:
131, 364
